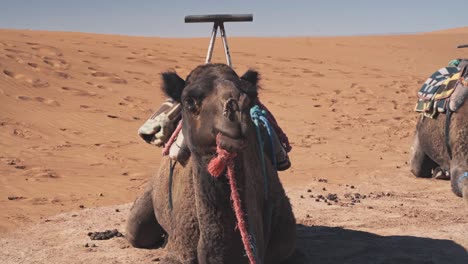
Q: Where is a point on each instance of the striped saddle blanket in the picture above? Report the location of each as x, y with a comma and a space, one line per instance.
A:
434, 94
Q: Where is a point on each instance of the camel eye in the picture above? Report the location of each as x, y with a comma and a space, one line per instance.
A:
190, 104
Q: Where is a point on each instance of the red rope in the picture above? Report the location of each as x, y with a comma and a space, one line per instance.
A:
281, 135
172, 139
216, 167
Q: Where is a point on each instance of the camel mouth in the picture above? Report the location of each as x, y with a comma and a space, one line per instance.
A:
229, 143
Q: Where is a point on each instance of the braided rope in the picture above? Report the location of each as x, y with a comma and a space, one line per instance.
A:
217, 165
172, 139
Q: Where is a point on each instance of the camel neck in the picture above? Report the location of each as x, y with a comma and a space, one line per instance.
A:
213, 202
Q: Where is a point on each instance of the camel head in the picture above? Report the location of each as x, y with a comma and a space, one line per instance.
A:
215, 100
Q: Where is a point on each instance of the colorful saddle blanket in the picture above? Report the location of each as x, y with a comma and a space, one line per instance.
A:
435, 92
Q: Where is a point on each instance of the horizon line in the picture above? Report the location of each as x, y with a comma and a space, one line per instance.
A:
242, 36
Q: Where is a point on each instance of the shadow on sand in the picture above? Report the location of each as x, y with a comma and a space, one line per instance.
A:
339, 246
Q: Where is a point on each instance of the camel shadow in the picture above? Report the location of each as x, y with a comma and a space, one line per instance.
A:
335, 245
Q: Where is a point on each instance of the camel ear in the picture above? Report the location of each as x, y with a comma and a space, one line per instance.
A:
250, 83
251, 76
172, 85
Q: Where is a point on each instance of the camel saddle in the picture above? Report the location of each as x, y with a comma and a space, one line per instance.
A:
445, 89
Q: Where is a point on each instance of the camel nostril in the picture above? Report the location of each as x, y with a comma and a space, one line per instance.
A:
230, 107
229, 115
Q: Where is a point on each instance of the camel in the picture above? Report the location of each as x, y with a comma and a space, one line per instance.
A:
430, 149
194, 217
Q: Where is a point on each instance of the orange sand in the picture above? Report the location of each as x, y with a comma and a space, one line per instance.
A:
71, 103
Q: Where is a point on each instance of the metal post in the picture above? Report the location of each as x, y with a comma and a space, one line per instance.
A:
226, 47
212, 41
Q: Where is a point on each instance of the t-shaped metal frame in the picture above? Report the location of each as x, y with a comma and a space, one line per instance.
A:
218, 22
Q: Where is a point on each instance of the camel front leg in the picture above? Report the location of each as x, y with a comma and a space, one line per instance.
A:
143, 229
421, 165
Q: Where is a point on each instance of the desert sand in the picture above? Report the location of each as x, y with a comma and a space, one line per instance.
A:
71, 104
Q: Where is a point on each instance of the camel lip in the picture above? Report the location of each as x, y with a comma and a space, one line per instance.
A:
230, 144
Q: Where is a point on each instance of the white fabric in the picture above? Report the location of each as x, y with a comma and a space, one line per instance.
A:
175, 148
161, 127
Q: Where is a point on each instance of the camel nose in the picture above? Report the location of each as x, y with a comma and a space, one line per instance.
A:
231, 106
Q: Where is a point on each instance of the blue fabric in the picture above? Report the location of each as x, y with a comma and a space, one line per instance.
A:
465, 175
454, 63
259, 118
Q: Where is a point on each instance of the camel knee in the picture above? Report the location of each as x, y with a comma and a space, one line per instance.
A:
421, 165
143, 229
134, 241
144, 232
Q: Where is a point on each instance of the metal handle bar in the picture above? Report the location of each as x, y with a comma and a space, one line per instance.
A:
220, 18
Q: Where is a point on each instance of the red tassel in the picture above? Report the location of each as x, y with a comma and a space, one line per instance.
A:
216, 166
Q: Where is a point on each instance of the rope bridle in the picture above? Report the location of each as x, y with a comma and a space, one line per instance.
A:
224, 161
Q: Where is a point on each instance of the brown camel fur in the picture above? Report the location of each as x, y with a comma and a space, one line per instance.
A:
201, 227
429, 149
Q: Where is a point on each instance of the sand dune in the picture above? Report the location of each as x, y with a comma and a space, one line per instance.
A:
71, 103
460, 30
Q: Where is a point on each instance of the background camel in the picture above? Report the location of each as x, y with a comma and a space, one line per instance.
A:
430, 149
201, 223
